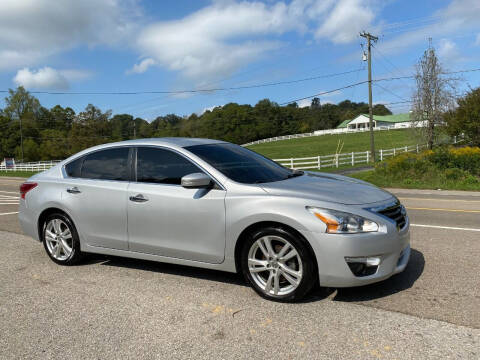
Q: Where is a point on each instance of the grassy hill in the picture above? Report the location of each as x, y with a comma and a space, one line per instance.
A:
327, 144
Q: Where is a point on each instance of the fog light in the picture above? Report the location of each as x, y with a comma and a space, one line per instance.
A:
363, 266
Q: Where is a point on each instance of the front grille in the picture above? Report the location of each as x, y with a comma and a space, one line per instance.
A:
395, 213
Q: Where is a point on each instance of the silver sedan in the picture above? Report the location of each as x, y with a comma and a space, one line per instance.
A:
216, 205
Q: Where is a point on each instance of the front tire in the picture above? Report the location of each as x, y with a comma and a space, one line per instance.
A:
278, 264
60, 239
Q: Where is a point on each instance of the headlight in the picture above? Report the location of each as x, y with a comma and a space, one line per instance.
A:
339, 222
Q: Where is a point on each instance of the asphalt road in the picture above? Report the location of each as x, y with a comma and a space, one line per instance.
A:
121, 308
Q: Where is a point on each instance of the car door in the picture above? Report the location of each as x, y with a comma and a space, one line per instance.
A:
95, 194
167, 219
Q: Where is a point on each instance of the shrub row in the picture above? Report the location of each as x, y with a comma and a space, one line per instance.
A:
445, 164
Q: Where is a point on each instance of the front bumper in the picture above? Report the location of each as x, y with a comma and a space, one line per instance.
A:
391, 247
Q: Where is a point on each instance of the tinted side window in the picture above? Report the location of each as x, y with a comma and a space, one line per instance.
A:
162, 166
73, 168
108, 164
240, 164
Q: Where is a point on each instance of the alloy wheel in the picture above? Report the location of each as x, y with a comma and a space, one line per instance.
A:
275, 265
58, 239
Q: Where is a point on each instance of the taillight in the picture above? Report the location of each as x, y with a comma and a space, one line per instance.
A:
26, 187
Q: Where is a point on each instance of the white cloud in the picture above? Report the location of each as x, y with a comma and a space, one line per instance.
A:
48, 78
304, 103
226, 35
209, 109
345, 21
142, 66
75, 75
323, 101
217, 39
448, 50
31, 31
459, 17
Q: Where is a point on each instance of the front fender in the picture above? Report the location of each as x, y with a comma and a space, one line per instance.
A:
242, 212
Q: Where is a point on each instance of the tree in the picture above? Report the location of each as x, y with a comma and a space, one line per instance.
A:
91, 127
19, 106
58, 132
433, 96
315, 104
19, 103
465, 119
122, 127
381, 109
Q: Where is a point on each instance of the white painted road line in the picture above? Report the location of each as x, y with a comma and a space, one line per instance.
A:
445, 227
432, 199
9, 213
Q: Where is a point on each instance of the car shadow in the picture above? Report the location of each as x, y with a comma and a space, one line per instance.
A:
393, 285
172, 269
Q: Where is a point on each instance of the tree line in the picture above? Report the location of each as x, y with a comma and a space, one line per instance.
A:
58, 132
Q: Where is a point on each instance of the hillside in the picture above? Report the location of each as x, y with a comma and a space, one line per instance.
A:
327, 144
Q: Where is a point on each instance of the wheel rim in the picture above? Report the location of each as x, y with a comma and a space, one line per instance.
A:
58, 238
275, 265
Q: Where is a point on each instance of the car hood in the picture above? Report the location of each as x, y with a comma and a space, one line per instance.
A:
328, 187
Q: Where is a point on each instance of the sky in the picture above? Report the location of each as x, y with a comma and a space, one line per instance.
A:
133, 46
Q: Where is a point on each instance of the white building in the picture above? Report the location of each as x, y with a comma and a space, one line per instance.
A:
397, 121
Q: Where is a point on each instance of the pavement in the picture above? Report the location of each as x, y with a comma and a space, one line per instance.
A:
108, 307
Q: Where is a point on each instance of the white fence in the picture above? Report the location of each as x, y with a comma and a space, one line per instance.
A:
313, 162
395, 126
31, 166
318, 133
345, 159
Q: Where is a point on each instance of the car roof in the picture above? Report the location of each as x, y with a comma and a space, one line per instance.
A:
171, 141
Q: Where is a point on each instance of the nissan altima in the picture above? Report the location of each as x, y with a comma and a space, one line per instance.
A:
216, 205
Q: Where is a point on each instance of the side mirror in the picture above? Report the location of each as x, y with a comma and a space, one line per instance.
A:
196, 181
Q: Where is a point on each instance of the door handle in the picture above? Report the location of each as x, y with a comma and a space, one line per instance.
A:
73, 190
138, 198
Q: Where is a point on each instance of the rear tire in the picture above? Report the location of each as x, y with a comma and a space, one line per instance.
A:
60, 239
278, 264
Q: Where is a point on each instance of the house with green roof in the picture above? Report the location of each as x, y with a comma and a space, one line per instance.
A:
363, 122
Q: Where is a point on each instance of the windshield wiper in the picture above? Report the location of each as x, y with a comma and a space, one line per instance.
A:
295, 173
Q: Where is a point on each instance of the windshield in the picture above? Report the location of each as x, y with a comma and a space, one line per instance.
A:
240, 164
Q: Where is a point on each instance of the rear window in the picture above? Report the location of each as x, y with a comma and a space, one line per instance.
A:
73, 168
110, 164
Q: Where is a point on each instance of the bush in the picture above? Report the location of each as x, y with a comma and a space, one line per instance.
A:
467, 158
456, 174
445, 167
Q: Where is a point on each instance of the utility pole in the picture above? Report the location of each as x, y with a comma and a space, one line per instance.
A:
21, 137
370, 38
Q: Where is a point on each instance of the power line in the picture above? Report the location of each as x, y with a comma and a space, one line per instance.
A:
373, 81
253, 86
235, 75
393, 66
389, 91
324, 92
398, 102
195, 90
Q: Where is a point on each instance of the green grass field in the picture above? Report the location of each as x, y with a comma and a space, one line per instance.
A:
433, 182
327, 144
25, 174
